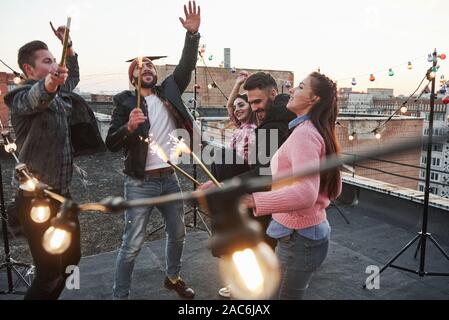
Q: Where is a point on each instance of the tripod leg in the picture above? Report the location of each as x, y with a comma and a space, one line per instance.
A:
417, 248
389, 263
439, 247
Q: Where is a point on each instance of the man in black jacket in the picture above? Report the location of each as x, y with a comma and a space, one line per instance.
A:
132, 128
51, 125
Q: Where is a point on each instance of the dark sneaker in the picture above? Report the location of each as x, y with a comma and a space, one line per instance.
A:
180, 287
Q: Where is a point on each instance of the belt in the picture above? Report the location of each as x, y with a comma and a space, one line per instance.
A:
159, 173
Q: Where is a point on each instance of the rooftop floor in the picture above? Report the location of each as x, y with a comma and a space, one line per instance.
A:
367, 240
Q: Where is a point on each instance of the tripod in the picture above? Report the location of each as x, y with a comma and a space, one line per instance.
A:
197, 212
10, 264
423, 235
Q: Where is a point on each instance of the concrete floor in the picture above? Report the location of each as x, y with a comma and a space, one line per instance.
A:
365, 241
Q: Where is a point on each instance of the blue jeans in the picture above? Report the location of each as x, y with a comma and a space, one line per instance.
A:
299, 258
136, 220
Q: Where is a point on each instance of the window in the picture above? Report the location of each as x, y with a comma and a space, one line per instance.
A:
434, 176
423, 159
436, 162
421, 188
422, 174
433, 190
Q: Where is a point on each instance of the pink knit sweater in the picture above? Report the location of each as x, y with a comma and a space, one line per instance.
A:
298, 205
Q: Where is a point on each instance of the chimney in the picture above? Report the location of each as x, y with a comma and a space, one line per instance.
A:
227, 58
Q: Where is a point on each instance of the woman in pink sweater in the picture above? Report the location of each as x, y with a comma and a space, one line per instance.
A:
299, 210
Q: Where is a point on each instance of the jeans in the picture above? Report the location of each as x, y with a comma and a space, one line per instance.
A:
299, 257
51, 273
136, 220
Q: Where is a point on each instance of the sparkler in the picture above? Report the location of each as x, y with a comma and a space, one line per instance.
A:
156, 149
65, 43
181, 147
139, 79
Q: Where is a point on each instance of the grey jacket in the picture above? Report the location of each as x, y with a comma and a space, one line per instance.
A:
42, 121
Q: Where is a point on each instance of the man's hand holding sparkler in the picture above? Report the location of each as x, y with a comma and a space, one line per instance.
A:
136, 117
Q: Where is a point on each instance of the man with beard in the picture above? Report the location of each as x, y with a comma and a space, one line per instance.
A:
161, 111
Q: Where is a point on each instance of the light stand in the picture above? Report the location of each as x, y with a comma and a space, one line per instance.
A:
10, 264
197, 212
423, 235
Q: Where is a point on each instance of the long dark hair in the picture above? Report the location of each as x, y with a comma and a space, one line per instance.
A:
324, 116
252, 116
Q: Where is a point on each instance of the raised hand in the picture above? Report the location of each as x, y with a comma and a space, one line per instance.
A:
243, 75
59, 33
57, 77
193, 17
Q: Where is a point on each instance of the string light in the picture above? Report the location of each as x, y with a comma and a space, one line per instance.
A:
371, 77
353, 82
40, 210
404, 109
377, 135
390, 72
352, 136
409, 65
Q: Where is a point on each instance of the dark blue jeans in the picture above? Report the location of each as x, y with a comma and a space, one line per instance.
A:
299, 258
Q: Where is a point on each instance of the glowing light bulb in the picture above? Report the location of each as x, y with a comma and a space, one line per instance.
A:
431, 75
353, 82
56, 240
29, 184
10, 147
378, 135
409, 65
390, 72
372, 78
404, 109
209, 86
40, 210
351, 136
252, 273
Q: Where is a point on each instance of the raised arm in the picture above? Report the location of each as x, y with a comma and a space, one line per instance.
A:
234, 93
72, 61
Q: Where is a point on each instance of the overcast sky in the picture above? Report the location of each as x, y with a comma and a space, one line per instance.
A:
344, 38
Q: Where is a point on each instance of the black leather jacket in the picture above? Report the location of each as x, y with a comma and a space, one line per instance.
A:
170, 90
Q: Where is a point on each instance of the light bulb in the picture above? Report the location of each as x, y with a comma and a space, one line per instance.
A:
10, 147
429, 57
29, 184
251, 273
211, 57
40, 210
353, 82
16, 80
372, 78
351, 137
431, 75
403, 109
209, 86
445, 100
288, 84
409, 65
378, 135
442, 56
56, 240
390, 72
233, 70
443, 89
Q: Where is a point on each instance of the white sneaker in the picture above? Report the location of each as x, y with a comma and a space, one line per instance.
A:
225, 292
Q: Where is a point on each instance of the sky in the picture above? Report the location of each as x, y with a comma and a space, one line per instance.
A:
345, 38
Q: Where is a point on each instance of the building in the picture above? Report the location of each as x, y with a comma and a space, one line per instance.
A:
6, 85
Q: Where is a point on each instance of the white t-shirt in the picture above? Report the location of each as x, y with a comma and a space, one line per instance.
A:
161, 124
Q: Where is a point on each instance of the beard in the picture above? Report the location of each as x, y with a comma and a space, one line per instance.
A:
147, 85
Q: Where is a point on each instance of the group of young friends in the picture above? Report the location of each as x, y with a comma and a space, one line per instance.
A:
52, 125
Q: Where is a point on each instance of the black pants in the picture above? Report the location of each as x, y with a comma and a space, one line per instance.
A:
51, 273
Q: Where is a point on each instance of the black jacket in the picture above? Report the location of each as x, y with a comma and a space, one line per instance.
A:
170, 90
278, 117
